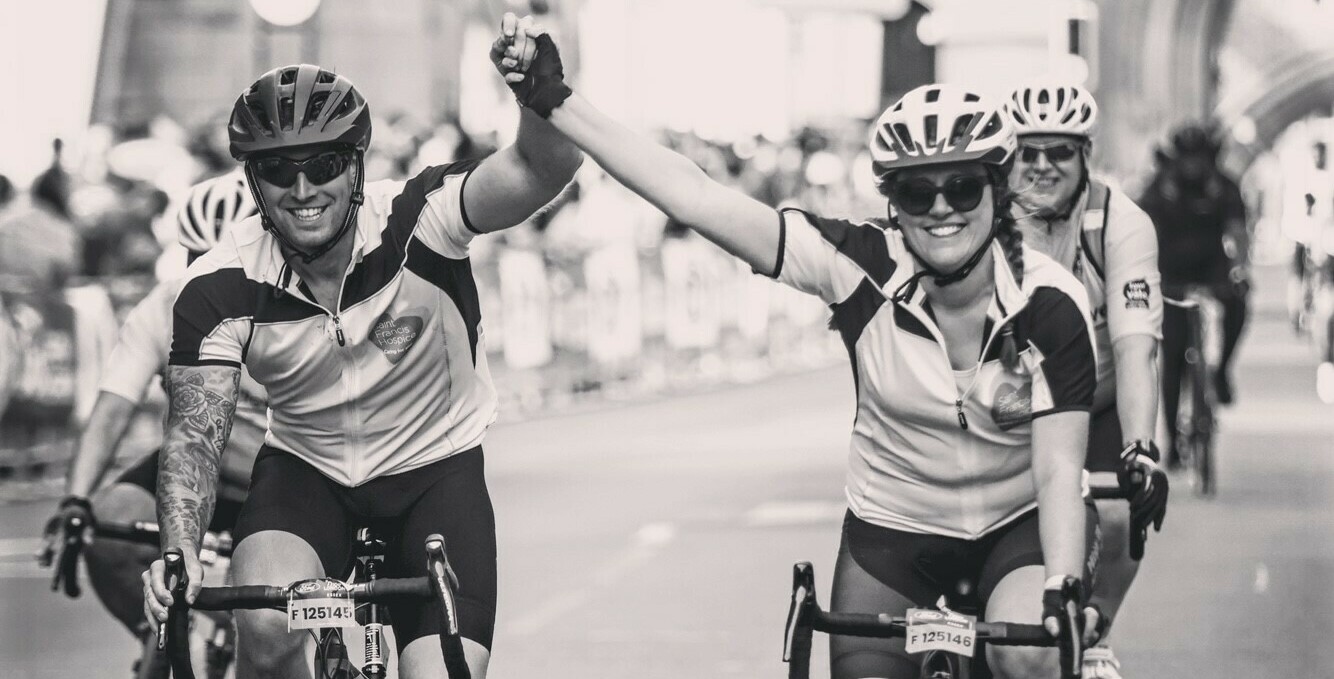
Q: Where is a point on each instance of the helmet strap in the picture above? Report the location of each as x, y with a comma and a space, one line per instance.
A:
940, 278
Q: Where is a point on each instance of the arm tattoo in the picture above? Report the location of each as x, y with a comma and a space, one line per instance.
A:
202, 400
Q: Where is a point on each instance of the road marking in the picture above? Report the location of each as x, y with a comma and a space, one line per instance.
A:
18, 559
1261, 578
794, 513
645, 542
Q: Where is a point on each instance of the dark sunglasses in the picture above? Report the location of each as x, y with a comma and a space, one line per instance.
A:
915, 197
320, 169
1059, 152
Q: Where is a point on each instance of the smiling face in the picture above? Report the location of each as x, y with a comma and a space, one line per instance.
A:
306, 213
1043, 184
946, 235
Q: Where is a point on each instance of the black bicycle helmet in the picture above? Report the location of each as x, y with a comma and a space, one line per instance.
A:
300, 105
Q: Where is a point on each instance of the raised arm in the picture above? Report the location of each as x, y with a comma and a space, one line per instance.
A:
739, 224
516, 181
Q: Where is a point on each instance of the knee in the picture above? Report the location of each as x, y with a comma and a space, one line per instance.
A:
1019, 662
264, 644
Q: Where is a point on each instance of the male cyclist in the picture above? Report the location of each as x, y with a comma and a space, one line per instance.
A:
1097, 233
114, 566
355, 305
1202, 240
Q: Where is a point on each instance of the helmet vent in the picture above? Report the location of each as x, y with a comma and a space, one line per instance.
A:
960, 128
904, 136
992, 127
345, 106
932, 96
285, 113
929, 127
287, 77
317, 102
1044, 97
265, 124
898, 107
1060, 97
325, 78
971, 97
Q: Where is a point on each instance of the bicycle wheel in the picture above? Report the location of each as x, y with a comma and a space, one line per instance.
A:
1203, 453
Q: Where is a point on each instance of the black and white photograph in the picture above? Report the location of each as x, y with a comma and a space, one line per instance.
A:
666, 339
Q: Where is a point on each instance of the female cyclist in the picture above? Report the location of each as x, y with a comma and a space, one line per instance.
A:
972, 358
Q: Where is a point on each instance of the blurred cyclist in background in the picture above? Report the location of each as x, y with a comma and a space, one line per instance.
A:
354, 304
1097, 233
1203, 241
114, 566
972, 356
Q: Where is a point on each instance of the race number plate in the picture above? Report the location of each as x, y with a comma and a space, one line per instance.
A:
319, 603
933, 630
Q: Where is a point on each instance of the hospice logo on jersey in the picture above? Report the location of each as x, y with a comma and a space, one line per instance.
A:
394, 336
1137, 294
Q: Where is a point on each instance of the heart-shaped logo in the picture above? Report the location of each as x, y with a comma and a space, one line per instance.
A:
394, 336
1013, 405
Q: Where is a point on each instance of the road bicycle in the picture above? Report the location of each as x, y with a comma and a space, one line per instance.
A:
1197, 424
327, 605
963, 633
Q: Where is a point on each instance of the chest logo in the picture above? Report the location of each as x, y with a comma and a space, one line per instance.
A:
395, 336
1012, 405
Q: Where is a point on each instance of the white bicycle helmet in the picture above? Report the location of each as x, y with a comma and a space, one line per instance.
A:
1048, 108
936, 124
210, 208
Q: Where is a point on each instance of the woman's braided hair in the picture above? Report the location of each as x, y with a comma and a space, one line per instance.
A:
1012, 244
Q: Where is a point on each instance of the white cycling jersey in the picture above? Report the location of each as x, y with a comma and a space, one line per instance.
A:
141, 353
392, 379
1114, 253
935, 451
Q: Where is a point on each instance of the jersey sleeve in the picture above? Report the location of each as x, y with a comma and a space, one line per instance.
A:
212, 319
436, 197
143, 346
1134, 286
830, 258
1060, 335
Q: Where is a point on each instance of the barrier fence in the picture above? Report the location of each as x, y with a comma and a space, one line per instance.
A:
615, 323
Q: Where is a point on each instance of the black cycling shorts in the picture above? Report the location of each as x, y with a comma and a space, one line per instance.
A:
882, 570
448, 497
1105, 444
144, 475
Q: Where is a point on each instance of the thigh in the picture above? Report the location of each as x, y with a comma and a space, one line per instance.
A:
1020, 546
291, 498
457, 506
875, 573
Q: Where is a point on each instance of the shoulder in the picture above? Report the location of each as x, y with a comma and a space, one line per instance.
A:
1044, 273
1125, 216
870, 246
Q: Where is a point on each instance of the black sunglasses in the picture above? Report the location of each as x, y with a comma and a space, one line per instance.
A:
1059, 152
320, 169
915, 197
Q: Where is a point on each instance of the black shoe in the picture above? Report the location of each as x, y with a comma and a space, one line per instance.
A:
1223, 388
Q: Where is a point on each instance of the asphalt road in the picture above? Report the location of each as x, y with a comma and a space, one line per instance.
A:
656, 540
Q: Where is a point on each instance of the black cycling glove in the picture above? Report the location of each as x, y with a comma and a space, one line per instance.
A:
543, 87
1139, 470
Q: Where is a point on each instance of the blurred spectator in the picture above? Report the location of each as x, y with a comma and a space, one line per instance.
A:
52, 186
120, 240
6, 191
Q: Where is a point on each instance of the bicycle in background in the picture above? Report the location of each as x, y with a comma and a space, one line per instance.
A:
216, 551
1196, 425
